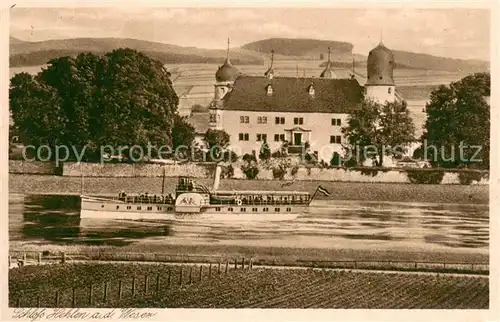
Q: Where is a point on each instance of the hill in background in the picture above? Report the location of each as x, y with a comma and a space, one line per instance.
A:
38, 53
342, 55
23, 53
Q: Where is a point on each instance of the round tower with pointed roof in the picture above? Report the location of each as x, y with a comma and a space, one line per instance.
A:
328, 72
270, 71
380, 85
224, 80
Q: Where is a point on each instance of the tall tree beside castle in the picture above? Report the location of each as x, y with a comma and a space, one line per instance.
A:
458, 118
123, 98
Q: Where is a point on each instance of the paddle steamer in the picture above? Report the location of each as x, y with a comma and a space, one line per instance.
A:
192, 200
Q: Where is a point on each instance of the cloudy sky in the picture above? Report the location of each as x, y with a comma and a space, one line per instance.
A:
459, 33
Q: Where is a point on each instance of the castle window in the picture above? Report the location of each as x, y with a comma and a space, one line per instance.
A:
389, 90
269, 89
129, 207
336, 122
244, 119
262, 137
335, 139
262, 120
279, 120
213, 118
298, 120
243, 136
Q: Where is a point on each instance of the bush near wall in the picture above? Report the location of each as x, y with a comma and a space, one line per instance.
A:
434, 176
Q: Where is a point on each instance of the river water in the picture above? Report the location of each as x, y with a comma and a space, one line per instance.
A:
54, 220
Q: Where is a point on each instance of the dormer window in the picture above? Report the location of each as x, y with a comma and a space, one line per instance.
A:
269, 89
311, 90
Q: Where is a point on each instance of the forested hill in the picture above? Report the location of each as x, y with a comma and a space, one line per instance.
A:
24, 53
342, 55
299, 47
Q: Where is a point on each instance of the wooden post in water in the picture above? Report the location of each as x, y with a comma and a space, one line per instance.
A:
63, 258
90, 295
243, 263
227, 266
218, 269
169, 277
210, 270
250, 265
120, 290
235, 263
39, 258
201, 272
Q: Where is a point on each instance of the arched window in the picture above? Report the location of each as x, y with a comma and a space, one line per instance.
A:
389, 90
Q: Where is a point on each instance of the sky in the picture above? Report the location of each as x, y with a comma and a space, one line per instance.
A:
459, 33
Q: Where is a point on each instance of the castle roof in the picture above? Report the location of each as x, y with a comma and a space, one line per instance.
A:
291, 94
227, 72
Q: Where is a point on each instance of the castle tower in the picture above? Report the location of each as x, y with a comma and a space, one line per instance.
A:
270, 71
380, 85
328, 72
224, 80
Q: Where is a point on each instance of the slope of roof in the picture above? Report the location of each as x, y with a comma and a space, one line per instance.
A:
199, 121
291, 94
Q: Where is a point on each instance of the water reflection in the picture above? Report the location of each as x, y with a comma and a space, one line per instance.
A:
55, 219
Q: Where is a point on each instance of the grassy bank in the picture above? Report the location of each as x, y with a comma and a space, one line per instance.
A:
40, 184
129, 285
263, 255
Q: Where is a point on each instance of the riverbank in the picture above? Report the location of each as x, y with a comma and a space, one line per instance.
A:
394, 192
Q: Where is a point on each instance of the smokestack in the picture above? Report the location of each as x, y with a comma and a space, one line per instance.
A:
218, 171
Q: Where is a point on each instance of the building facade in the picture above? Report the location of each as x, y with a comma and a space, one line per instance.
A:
297, 111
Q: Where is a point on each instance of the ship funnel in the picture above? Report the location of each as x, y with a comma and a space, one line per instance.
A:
218, 171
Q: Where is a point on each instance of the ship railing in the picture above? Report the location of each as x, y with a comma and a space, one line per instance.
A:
146, 199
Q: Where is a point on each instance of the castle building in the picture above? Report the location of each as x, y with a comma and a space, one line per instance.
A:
299, 110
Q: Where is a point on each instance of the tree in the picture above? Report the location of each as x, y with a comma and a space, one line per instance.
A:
122, 98
217, 141
265, 151
458, 117
374, 130
183, 133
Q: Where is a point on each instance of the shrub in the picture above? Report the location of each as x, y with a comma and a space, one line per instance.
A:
265, 152
466, 177
279, 172
251, 171
369, 172
229, 156
336, 160
249, 158
425, 176
295, 169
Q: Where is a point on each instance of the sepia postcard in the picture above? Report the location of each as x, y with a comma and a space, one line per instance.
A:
172, 161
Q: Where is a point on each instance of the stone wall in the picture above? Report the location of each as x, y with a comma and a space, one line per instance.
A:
134, 170
32, 167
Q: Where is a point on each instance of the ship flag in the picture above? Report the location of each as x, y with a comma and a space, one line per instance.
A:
323, 191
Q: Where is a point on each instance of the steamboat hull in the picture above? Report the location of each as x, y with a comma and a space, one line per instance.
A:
102, 208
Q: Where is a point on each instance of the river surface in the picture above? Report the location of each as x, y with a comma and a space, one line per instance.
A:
54, 220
